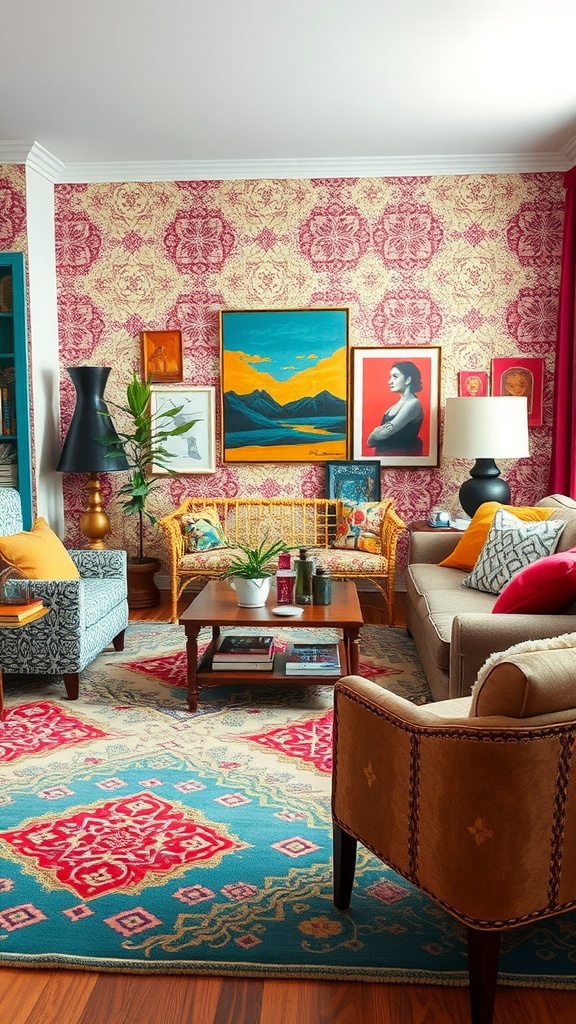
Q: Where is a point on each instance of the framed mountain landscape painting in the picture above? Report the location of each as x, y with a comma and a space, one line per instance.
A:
284, 380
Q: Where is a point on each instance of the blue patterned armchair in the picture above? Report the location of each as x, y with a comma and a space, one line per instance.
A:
85, 615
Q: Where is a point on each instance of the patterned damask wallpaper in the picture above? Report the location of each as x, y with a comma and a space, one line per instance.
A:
470, 263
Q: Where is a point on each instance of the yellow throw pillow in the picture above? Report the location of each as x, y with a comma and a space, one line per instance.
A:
465, 554
38, 554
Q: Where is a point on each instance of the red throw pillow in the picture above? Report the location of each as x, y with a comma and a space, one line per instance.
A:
543, 587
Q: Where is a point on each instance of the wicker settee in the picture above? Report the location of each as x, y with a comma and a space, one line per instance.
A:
299, 522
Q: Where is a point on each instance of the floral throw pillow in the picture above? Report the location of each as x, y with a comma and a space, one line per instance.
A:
358, 526
203, 530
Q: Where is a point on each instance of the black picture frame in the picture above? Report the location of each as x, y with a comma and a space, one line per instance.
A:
354, 481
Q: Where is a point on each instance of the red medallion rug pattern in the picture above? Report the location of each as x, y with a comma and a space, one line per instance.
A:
136, 836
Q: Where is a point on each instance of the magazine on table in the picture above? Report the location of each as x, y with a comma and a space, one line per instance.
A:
242, 666
313, 659
236, 648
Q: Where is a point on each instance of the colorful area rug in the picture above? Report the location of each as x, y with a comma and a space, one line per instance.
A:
137, 837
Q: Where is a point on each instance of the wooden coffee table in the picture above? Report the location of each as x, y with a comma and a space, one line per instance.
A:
216, 606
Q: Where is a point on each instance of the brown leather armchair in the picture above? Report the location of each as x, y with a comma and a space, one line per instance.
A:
472, 800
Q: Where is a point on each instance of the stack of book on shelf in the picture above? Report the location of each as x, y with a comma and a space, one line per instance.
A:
20, 614
313, 660
8, 467
242, 652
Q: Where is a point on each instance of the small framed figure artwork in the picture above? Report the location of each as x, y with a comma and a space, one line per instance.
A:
162, 357
473, 384
523, 378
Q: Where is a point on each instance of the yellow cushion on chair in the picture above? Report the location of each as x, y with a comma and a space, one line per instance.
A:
39, 554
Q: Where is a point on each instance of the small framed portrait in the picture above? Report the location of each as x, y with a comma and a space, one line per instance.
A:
162, 356
523, 378
396, 402
353, 481
473, 384
194, 451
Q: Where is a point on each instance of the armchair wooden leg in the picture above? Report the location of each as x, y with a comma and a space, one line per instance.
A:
344, 852
118, 641
72, 684
483, 956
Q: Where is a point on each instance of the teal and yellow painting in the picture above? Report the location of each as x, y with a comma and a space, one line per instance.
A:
284, 385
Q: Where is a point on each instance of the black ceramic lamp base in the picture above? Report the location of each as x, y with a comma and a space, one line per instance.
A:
484, 484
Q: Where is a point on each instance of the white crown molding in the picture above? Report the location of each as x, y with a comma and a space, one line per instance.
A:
368, 167
48, 165
34, 155
570, 151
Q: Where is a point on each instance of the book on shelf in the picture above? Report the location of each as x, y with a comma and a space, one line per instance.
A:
20, 612
236, 648
313, 659
242, 666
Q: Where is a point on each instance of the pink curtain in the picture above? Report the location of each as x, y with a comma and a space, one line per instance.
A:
563, 462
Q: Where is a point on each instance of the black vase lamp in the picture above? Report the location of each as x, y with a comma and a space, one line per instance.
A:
485, 429
84, 451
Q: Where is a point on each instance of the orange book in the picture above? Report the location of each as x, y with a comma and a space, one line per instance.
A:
19, 612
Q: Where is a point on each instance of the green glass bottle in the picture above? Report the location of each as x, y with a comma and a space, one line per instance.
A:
321, 587
303, 589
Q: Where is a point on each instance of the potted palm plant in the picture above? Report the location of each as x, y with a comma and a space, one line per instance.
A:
143, 443
250, 572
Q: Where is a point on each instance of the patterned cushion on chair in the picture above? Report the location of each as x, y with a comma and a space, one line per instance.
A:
203, 530
359, 525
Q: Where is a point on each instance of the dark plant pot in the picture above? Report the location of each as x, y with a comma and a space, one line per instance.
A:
142, 590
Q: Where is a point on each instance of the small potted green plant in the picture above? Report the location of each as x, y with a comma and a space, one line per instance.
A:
250, 573
143, 442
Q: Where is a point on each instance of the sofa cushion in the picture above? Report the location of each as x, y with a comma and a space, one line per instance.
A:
530, 679
542, 588
511, 544
436, 596
38, 553
359, 525
99, 597
466, 553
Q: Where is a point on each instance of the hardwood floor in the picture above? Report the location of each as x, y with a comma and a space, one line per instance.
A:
79, 997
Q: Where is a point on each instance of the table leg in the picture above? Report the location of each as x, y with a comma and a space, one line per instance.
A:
352, 643
192, 664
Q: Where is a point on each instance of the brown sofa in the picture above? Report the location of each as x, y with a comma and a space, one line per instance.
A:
452, 626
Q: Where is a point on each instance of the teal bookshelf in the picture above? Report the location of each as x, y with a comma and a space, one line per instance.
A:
15, 445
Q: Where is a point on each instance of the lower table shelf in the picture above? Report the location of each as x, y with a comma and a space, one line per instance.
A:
205, 675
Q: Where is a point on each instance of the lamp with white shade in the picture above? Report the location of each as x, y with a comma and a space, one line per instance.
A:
485, 429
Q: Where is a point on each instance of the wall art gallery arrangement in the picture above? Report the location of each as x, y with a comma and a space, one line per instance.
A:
465, 268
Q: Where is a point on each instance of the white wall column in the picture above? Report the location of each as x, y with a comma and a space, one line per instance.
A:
45, 368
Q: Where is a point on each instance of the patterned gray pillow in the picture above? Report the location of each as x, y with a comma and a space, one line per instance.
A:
511, 545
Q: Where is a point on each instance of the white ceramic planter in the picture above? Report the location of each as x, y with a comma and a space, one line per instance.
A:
251, 593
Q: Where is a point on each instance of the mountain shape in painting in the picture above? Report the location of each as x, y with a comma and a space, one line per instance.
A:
258, 419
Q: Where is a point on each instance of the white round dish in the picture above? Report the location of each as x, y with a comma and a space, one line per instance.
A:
287, 609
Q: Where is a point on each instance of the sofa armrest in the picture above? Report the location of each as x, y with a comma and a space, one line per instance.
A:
431, 548
100, 564
476, 636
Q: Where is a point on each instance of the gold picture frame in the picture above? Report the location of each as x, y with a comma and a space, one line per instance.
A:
162, 356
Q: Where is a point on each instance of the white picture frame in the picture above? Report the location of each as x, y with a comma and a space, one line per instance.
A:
194, 451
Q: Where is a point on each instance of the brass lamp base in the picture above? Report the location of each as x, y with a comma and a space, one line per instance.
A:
94, 523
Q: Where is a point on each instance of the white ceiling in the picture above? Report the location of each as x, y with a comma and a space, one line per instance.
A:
120, 89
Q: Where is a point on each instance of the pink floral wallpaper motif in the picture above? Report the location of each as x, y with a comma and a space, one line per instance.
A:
468, 262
